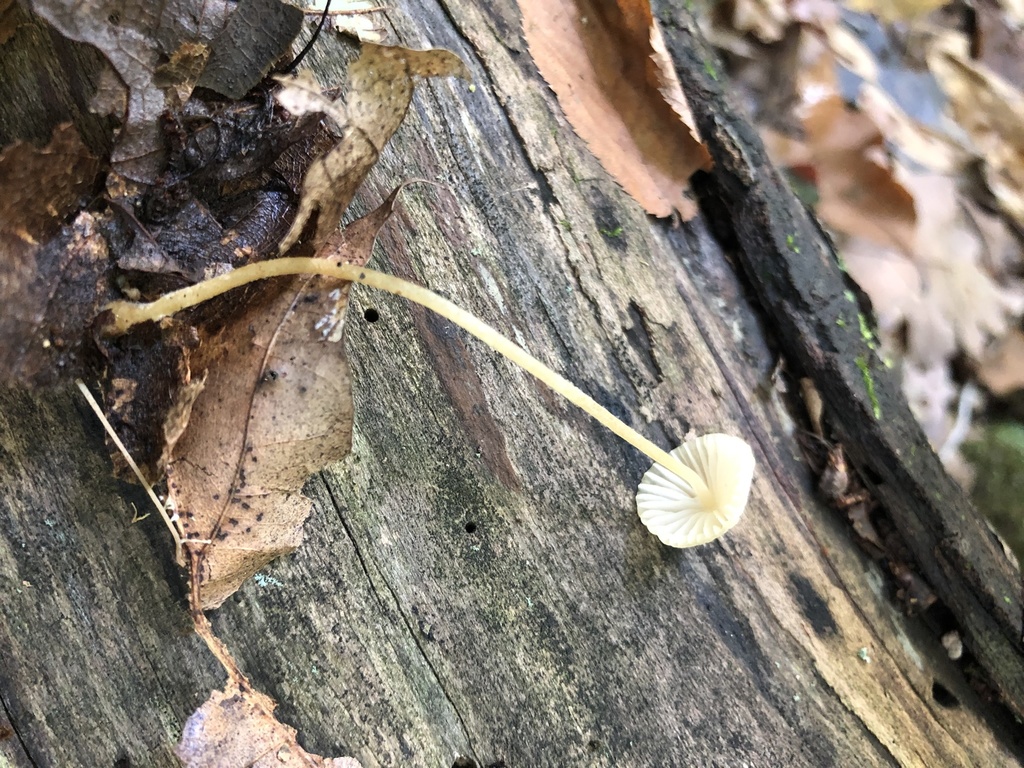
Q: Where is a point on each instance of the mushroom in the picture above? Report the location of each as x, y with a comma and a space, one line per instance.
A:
685, 512
689, 497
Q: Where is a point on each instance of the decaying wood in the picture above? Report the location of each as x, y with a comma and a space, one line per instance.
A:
797, 278
46, 79
475, 582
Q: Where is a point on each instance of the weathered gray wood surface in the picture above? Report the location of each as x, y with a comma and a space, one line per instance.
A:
475, 581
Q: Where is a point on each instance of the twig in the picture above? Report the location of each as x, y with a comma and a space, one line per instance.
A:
176, 534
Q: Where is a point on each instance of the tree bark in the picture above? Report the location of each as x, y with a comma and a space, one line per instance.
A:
475, 584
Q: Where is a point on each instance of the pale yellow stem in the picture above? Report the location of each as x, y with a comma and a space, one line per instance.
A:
126, 314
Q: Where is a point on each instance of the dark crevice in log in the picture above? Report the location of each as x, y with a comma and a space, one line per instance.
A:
11, 731
339, 507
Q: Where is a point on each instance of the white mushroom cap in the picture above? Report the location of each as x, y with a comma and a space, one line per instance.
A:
682, 515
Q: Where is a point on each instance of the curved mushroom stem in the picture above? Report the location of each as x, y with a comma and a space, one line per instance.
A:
127, 314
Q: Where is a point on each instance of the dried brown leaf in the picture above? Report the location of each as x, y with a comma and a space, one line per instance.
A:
255, 36
52, 274
599, 59
927, 147
133, 36
988, 108
664, 72
938, 286
857, 191
380, 86
843, 153
814, 405
237, 727
182, 70
276, 407
959, 292
867, 534
1002, 368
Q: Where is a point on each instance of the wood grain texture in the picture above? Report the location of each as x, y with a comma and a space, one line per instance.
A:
45, 80
475, 581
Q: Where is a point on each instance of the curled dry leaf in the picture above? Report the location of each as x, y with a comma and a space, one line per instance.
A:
380, 86
599, 59
237, 727
301, 95
52, 274
276, 406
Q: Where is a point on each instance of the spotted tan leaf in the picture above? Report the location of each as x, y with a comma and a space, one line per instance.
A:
237, 726
276, 407
380, 86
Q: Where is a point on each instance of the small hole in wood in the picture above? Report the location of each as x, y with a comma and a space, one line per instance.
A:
471, 527
464, 762
872, 476
943, 696
371, 315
